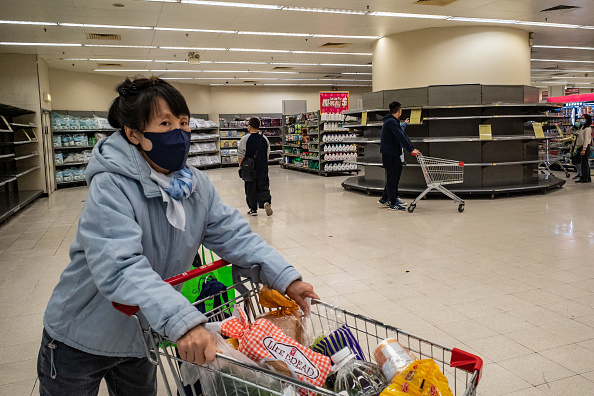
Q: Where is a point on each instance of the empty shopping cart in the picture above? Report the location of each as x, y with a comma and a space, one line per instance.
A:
439, 172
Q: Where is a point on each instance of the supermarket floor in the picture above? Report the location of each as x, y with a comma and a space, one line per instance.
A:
510, 279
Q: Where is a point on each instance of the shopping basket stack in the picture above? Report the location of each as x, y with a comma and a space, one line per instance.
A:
235, 377
439, 172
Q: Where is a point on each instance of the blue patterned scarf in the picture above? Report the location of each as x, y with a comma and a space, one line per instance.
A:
175, 187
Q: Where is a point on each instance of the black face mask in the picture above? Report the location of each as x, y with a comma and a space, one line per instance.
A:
170, 149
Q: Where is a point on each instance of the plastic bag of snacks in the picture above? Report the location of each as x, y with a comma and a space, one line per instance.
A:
57, 141
337, 340
59, 158
421, 378
59, 176
266, 344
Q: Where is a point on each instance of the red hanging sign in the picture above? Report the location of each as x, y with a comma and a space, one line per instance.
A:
572, 91
545, 95
334, 102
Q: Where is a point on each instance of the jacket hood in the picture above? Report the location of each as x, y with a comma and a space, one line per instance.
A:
388, 116
116, 155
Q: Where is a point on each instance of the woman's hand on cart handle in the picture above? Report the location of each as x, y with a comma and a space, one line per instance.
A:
415, 152
298, 291
197, 346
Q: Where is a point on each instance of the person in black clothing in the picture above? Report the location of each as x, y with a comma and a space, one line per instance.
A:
393, 140
257, 192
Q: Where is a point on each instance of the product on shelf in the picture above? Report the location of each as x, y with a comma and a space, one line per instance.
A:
67, 122
80, 139
392, 358
59, 176
356, 377
57, 141
67, 140
59, 158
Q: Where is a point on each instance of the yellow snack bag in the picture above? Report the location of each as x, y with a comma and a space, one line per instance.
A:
421, 378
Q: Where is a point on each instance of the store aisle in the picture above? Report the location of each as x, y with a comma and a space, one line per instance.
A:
510, 279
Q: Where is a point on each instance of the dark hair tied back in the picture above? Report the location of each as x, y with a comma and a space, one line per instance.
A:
138, 101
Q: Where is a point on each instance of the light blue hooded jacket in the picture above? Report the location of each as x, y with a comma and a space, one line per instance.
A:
125, 246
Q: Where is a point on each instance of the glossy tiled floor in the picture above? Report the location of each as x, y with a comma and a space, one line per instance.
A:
510, 279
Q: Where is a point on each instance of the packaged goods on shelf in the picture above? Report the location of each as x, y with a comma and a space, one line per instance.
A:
337, 137
80, 139
67, 122
58, 158
331, 117
339, 167
199, 123
57, 141
67, 140
87, 155
203, 136
59, 176
343, 148
102, 123
100, 136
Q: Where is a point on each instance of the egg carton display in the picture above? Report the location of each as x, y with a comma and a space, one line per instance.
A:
71, 175
340, 157
338, 137
201, 147
199, 123
342, 148
340, 167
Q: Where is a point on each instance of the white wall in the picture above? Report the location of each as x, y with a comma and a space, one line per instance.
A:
94, 92
456, 55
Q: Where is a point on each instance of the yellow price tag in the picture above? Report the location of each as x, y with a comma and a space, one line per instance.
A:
538, 131
415, 116
485, 132
364, 118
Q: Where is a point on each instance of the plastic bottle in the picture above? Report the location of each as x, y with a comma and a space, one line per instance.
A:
356, 377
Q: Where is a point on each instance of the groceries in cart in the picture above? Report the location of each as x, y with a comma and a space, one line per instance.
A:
356, 377
420, 378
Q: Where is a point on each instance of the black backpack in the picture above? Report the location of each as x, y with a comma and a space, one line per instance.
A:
247, 169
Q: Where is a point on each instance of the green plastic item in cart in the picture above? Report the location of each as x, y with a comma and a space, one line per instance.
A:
192, 288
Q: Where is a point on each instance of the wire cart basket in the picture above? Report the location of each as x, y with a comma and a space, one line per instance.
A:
234, 377
439, 172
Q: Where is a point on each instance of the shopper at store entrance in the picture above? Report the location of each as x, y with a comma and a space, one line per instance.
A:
584, 140
145, 216
257, 192
393, 140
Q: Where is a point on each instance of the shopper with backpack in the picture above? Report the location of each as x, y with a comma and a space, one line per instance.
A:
253, 152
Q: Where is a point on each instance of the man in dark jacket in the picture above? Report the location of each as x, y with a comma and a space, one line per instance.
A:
393, 140
257, 192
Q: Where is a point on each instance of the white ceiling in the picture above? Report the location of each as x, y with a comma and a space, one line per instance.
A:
175, 15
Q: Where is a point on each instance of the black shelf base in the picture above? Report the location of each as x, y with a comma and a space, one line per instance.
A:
16, 202
545, 183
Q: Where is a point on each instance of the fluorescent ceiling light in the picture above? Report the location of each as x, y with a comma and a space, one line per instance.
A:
332, 53
123, 70
120, 60
196, 30
170, 61
347, 36
562, 71
120, 46
177, 78
482, 20
561, 61
325, 10
563, 47
28, 23
42, 44
259, 50
548, 24
235, 62
105, 26
405, 15
359, 73
231, 4
194, 48
276, 34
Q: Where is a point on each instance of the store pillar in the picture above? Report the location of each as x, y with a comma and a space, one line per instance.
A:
455, 55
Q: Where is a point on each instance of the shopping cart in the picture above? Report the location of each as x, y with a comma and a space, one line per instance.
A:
234, 377
437, 172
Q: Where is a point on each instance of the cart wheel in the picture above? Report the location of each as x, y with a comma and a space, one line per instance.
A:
461, 208
567, 174
411, 208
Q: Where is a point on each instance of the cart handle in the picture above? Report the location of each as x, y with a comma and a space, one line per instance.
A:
176, 280
467, 361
